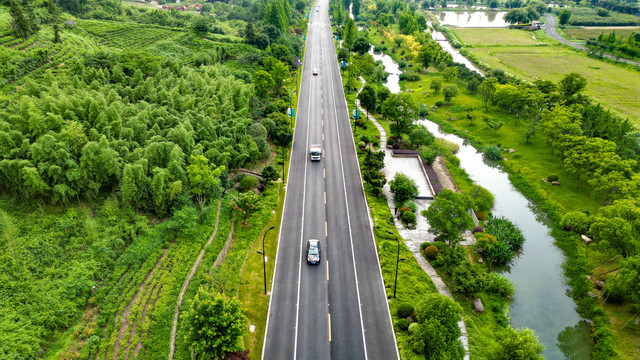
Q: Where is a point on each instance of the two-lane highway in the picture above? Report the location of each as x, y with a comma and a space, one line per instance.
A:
337, 309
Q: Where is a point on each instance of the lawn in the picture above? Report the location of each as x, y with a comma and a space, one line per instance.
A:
593, 32
613, 86
491, 37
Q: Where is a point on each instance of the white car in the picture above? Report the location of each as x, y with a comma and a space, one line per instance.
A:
315, 71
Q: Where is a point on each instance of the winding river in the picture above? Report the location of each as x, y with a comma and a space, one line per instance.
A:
540, 302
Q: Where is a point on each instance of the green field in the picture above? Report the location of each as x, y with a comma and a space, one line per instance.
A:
593, 32
613, 86
490, 37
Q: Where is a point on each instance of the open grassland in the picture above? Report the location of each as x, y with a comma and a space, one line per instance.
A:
613, 86
593, 32
476, 37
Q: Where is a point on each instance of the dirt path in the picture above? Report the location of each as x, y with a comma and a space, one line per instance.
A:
185, 285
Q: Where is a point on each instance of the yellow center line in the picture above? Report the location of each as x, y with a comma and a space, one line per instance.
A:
326, 233
324, 173
325, 198
329, 316
327, 270
322, 136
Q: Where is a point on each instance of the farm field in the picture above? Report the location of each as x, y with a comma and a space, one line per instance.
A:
613, 86
593, 32
477, 37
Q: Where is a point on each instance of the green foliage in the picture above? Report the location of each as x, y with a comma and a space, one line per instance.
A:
482, 198
270, 173
203, 179
498, 284
401, 111
576, 221
246, 204
564, 17
404, 310
247, 183
467, 279
215, 324
431, 252
518, 345
403, 324
448, 215
409, 217
437, 333
421, 137
505, 231
436, 85
403, 188
493, 152
449, 92
553, 177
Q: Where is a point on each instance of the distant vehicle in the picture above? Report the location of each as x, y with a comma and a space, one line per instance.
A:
315, 71
313, 252
315, 151
317, 10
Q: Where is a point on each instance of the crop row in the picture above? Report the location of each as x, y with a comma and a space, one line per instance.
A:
127, 35
63, 52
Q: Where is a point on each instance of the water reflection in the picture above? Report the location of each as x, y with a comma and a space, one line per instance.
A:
571, 342
390, 66
472, 18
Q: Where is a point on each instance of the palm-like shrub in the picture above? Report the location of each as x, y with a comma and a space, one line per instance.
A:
506, 231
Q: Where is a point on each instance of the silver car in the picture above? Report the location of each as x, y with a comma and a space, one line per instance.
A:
313, 252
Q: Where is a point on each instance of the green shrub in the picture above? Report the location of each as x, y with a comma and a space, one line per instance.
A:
404, 310
412, 327
403, 324
361, 145
404, 210
409, 217
506, 231
576, 221
438, 103
552, 177
499, 284
270, 173
481, 215
467, 279
431, 252
493, 152
247, 183
482, 198
425, 245
411, 205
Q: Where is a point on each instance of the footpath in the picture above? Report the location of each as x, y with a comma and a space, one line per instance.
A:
412, 243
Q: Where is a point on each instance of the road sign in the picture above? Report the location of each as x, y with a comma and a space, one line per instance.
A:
356, 114
343, 64
291, 112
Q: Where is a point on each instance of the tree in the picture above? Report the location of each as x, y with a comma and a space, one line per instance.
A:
587, 154
250, 34
487, 89
205, 10
516, 16
269, 173
565, 15
436, 85
262, 83
518, 345
201, 25
203, 179
572, 84
401, 111
450, 73
449, 92
615, 234
279, 72
482, 198
21, 24
214, 324
472, 86
403, 188
361, 45
368, 97
426, 56
437, 334
349, 33
246, 204
421, 137
557, 123
448, 215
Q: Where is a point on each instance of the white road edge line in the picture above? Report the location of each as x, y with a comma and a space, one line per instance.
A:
373, 236
346, 200
284, 206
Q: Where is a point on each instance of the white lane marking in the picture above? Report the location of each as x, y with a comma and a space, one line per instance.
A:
304, 196
346, 200
284, 206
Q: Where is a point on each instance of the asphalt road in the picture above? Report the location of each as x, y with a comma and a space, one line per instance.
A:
550, 29
337, 309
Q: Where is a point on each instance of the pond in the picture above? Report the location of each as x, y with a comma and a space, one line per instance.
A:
540, 301
471, 18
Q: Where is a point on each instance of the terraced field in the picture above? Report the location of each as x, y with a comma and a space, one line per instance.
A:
126, 35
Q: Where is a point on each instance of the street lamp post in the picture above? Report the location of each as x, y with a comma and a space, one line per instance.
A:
264, 263
395, 284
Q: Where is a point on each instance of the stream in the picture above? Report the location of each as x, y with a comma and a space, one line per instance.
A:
540, 301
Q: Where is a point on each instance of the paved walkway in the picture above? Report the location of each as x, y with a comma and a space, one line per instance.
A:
413, 238
550, 29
